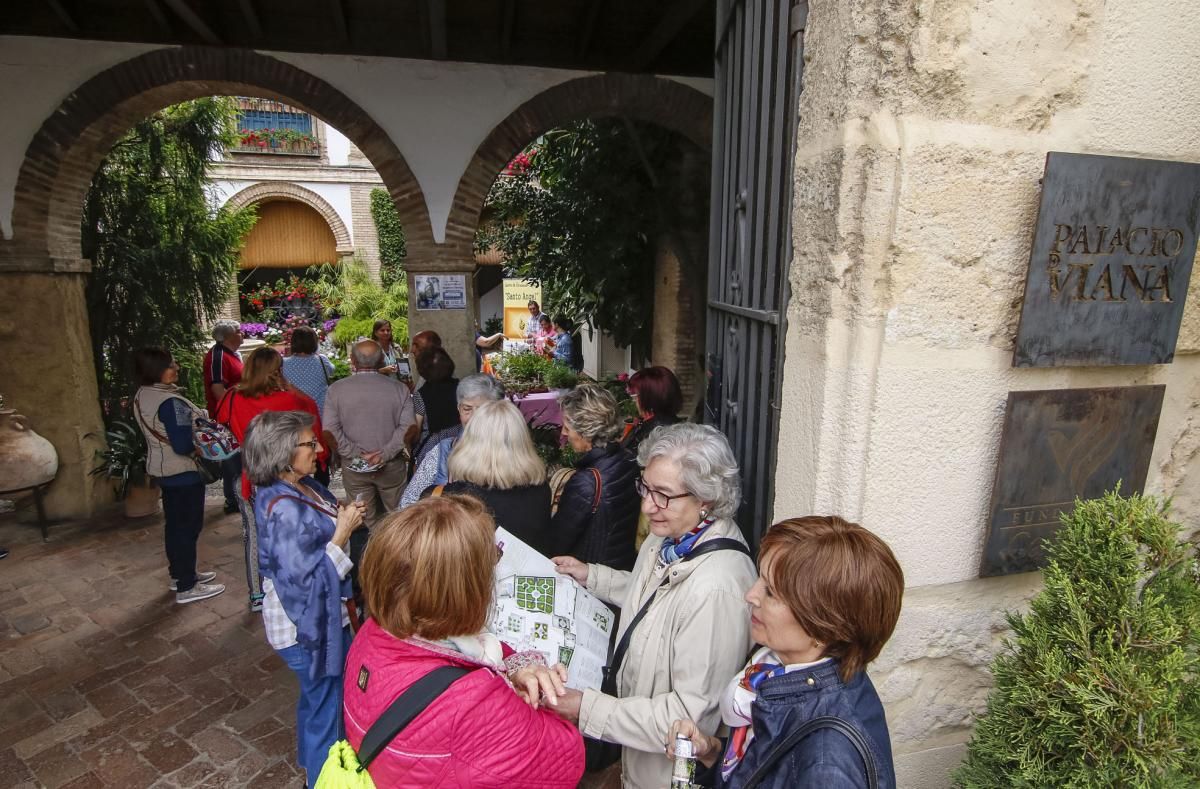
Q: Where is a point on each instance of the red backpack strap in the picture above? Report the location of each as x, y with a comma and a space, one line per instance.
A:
596, 497
137, 409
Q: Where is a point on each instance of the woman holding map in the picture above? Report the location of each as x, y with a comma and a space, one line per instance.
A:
683, 629
428, 576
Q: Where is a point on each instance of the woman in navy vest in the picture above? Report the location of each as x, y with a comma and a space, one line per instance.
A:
803, 713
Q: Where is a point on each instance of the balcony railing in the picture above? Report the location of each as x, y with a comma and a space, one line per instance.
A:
262, 142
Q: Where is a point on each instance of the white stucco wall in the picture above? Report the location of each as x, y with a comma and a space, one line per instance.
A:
491, 303
337, 147
437, 113
36, 74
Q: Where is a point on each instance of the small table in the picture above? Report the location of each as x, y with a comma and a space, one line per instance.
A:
37, 500
540, 408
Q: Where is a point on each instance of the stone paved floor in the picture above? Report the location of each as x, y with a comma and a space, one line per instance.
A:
106, 682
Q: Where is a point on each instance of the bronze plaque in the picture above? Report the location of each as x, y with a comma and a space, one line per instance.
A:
1111, 260
1058, 445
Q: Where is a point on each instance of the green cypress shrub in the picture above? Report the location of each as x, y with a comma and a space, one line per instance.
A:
1100, 684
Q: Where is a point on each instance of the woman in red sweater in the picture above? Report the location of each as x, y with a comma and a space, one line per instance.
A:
428, 579
262, 388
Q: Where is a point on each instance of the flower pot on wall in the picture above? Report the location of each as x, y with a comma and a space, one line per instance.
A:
142, 500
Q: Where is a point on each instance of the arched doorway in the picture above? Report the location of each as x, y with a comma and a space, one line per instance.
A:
41, 267
631, 100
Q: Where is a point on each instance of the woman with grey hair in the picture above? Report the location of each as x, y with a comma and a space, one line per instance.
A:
683, 600
596, 519
432, 469
302, 552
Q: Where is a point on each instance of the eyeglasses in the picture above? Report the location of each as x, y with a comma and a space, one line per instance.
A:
660, 499
310, 444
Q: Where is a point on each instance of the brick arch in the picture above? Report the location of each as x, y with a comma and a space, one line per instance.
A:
261, 192
66, 151
640, 97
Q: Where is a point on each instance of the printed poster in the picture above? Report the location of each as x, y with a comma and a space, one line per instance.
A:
517, 295
538, 609
440, 291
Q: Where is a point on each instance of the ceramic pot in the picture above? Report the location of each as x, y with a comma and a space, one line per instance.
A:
26, 459
141, 500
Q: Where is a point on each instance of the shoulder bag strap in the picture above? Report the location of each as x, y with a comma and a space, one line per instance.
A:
609, 685
271, 504
823, 722
401, 712
321, 359
596, 495
137, 409
228, 398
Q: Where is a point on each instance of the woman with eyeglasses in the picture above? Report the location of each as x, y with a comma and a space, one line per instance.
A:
596, 519
303, 555
683, 629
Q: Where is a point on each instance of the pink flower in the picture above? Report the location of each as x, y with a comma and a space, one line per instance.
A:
623, 377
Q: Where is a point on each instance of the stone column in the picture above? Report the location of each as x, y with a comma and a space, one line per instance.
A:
456, 327
47, 374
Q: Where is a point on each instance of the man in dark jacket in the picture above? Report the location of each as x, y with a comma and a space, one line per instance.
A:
597, 514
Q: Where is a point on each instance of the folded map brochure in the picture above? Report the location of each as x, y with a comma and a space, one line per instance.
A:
535, 608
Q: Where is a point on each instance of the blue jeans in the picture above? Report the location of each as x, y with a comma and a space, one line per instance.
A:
319, 711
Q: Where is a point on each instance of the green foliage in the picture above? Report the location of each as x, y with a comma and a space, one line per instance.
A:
191, 372
580, 214
493, 325
350, 329
124, 459
341, 368
391, 237
522, 372
162, 257
360, 301
1100, 686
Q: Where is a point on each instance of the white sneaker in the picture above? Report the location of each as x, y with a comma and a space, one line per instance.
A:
199, 592
201, 578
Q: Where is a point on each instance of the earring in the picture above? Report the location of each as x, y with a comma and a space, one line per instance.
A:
703, 514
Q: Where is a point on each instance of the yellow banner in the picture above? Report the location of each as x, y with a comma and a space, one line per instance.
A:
517, 295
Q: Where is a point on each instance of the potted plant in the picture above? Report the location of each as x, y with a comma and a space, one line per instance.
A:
124, 462
1099, 684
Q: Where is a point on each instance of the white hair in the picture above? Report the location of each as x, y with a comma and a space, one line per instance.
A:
224, 328
707, 468
479, 385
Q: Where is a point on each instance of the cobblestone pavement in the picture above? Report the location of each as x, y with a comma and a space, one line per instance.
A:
106, 682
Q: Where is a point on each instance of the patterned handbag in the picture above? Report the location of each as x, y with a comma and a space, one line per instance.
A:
213, 440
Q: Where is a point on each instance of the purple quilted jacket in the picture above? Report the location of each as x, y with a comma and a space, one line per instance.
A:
477, 734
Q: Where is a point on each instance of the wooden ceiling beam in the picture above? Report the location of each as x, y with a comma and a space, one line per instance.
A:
589, 27
64, 16
253, 23
194, 21
160, 18
340, 27
436, 11
669, 26
507, 23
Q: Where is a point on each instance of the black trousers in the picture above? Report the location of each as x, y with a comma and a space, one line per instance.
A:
183, 508
231, 477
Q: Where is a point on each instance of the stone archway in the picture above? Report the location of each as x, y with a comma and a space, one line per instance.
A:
663, 102
53, 380
260, 192
65, 152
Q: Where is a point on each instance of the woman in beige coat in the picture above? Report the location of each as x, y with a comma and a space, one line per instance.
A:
683, 618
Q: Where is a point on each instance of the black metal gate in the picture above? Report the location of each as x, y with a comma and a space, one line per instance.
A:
759, 57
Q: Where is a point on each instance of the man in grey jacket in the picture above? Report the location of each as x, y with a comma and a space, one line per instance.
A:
371, 417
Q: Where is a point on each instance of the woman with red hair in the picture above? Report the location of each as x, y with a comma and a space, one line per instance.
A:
659, 400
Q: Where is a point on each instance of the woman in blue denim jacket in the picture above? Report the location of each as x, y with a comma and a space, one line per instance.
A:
803, 713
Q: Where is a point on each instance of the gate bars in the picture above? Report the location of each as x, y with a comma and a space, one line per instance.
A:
759, 64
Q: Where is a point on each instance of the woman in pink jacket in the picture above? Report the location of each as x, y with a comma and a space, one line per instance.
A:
428, 580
